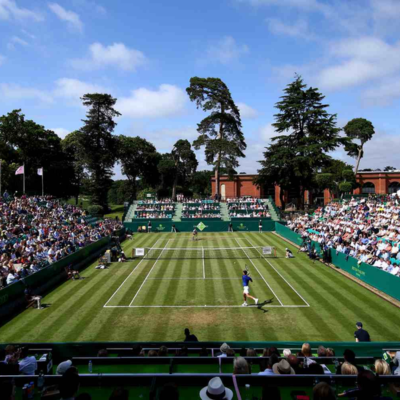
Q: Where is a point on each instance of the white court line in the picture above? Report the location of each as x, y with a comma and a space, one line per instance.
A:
204, 266
122, 284
249, 306
260, 273
190, 279
145, 279
298, 294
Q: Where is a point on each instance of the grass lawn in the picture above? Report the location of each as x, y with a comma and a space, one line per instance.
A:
155, 299
116, 210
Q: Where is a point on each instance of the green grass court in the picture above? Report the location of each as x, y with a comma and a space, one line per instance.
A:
155, 299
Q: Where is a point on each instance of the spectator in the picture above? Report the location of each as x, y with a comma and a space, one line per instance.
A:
163, 351
322, 391
348, 369
9, 367
321, 351
360, 334
287, 353
102, 353
119, 394
63, 367
152, 353
251, 353
27, 364
216, 390
288, 253
271, 362
230, 353
367, 387
396, 362
295, 364
306, 350
283, 368
69, 384
190, 337
382, 367
240, 366
224, 347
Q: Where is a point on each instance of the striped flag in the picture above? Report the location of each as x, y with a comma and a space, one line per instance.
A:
20, 170
40, 171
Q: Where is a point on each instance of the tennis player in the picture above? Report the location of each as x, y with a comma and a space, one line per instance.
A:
246, 279
194, 234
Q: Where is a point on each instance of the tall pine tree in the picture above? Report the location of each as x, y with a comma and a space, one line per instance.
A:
221, 131
308, 131
98, 147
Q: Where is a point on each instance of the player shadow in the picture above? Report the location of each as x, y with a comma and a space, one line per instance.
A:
264, 303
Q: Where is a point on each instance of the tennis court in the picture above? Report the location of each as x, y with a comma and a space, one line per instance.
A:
180, 272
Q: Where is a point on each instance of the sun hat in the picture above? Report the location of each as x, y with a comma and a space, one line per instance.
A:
216, 390
62, 367
283, 368
224, 347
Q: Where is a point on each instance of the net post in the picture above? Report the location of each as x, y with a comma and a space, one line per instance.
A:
275, 252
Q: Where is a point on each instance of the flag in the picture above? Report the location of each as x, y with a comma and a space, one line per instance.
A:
40, 171
20, 170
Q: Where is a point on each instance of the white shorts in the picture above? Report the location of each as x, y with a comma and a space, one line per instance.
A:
246, 290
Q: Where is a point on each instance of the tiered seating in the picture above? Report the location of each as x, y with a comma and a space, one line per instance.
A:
204, 209
154, 209
247, 208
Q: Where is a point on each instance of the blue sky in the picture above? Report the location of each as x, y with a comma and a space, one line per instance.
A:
145, 52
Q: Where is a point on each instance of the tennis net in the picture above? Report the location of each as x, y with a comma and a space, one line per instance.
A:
190, 253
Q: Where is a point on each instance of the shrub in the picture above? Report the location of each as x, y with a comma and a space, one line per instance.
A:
95, 210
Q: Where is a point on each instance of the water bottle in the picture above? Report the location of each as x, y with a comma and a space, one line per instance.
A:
247, 395
90, 367
40, 381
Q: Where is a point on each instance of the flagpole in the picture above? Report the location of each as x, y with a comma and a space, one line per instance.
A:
42, 181
23, 187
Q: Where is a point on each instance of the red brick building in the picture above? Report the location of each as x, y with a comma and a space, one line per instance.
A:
242, 185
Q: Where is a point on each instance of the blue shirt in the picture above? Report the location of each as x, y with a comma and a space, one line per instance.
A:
246, 279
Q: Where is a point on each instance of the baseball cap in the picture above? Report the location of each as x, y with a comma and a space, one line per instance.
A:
359, 324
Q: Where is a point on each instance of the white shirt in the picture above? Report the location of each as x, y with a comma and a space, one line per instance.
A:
28, 365
10, 278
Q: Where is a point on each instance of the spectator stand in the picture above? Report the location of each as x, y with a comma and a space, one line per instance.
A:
204, 209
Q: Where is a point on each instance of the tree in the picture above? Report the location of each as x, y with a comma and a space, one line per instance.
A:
358, 129
185, 164
97, 145
389, 169
308, 131
139, 159
221, 131
201, 183
71, 146
25, 141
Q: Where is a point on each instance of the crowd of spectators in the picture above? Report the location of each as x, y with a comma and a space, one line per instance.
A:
367, 229
201, 214
155, 209
247, 207
152, 215
14, 361
201, 207
38, 231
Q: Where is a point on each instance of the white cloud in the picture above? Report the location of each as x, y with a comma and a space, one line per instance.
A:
89, 5
9, 10
168, 100
389, 9
16, 92
298, 29
116, 55
73, 20
73, 89
383, 94
226, 51
267, 132
61, 132
364, 59
16, 40
247, 111
28, 34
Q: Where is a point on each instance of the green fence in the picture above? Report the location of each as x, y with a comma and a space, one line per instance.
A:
380, 280
204, 225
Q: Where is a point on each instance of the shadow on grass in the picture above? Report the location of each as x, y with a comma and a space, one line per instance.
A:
264, 303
